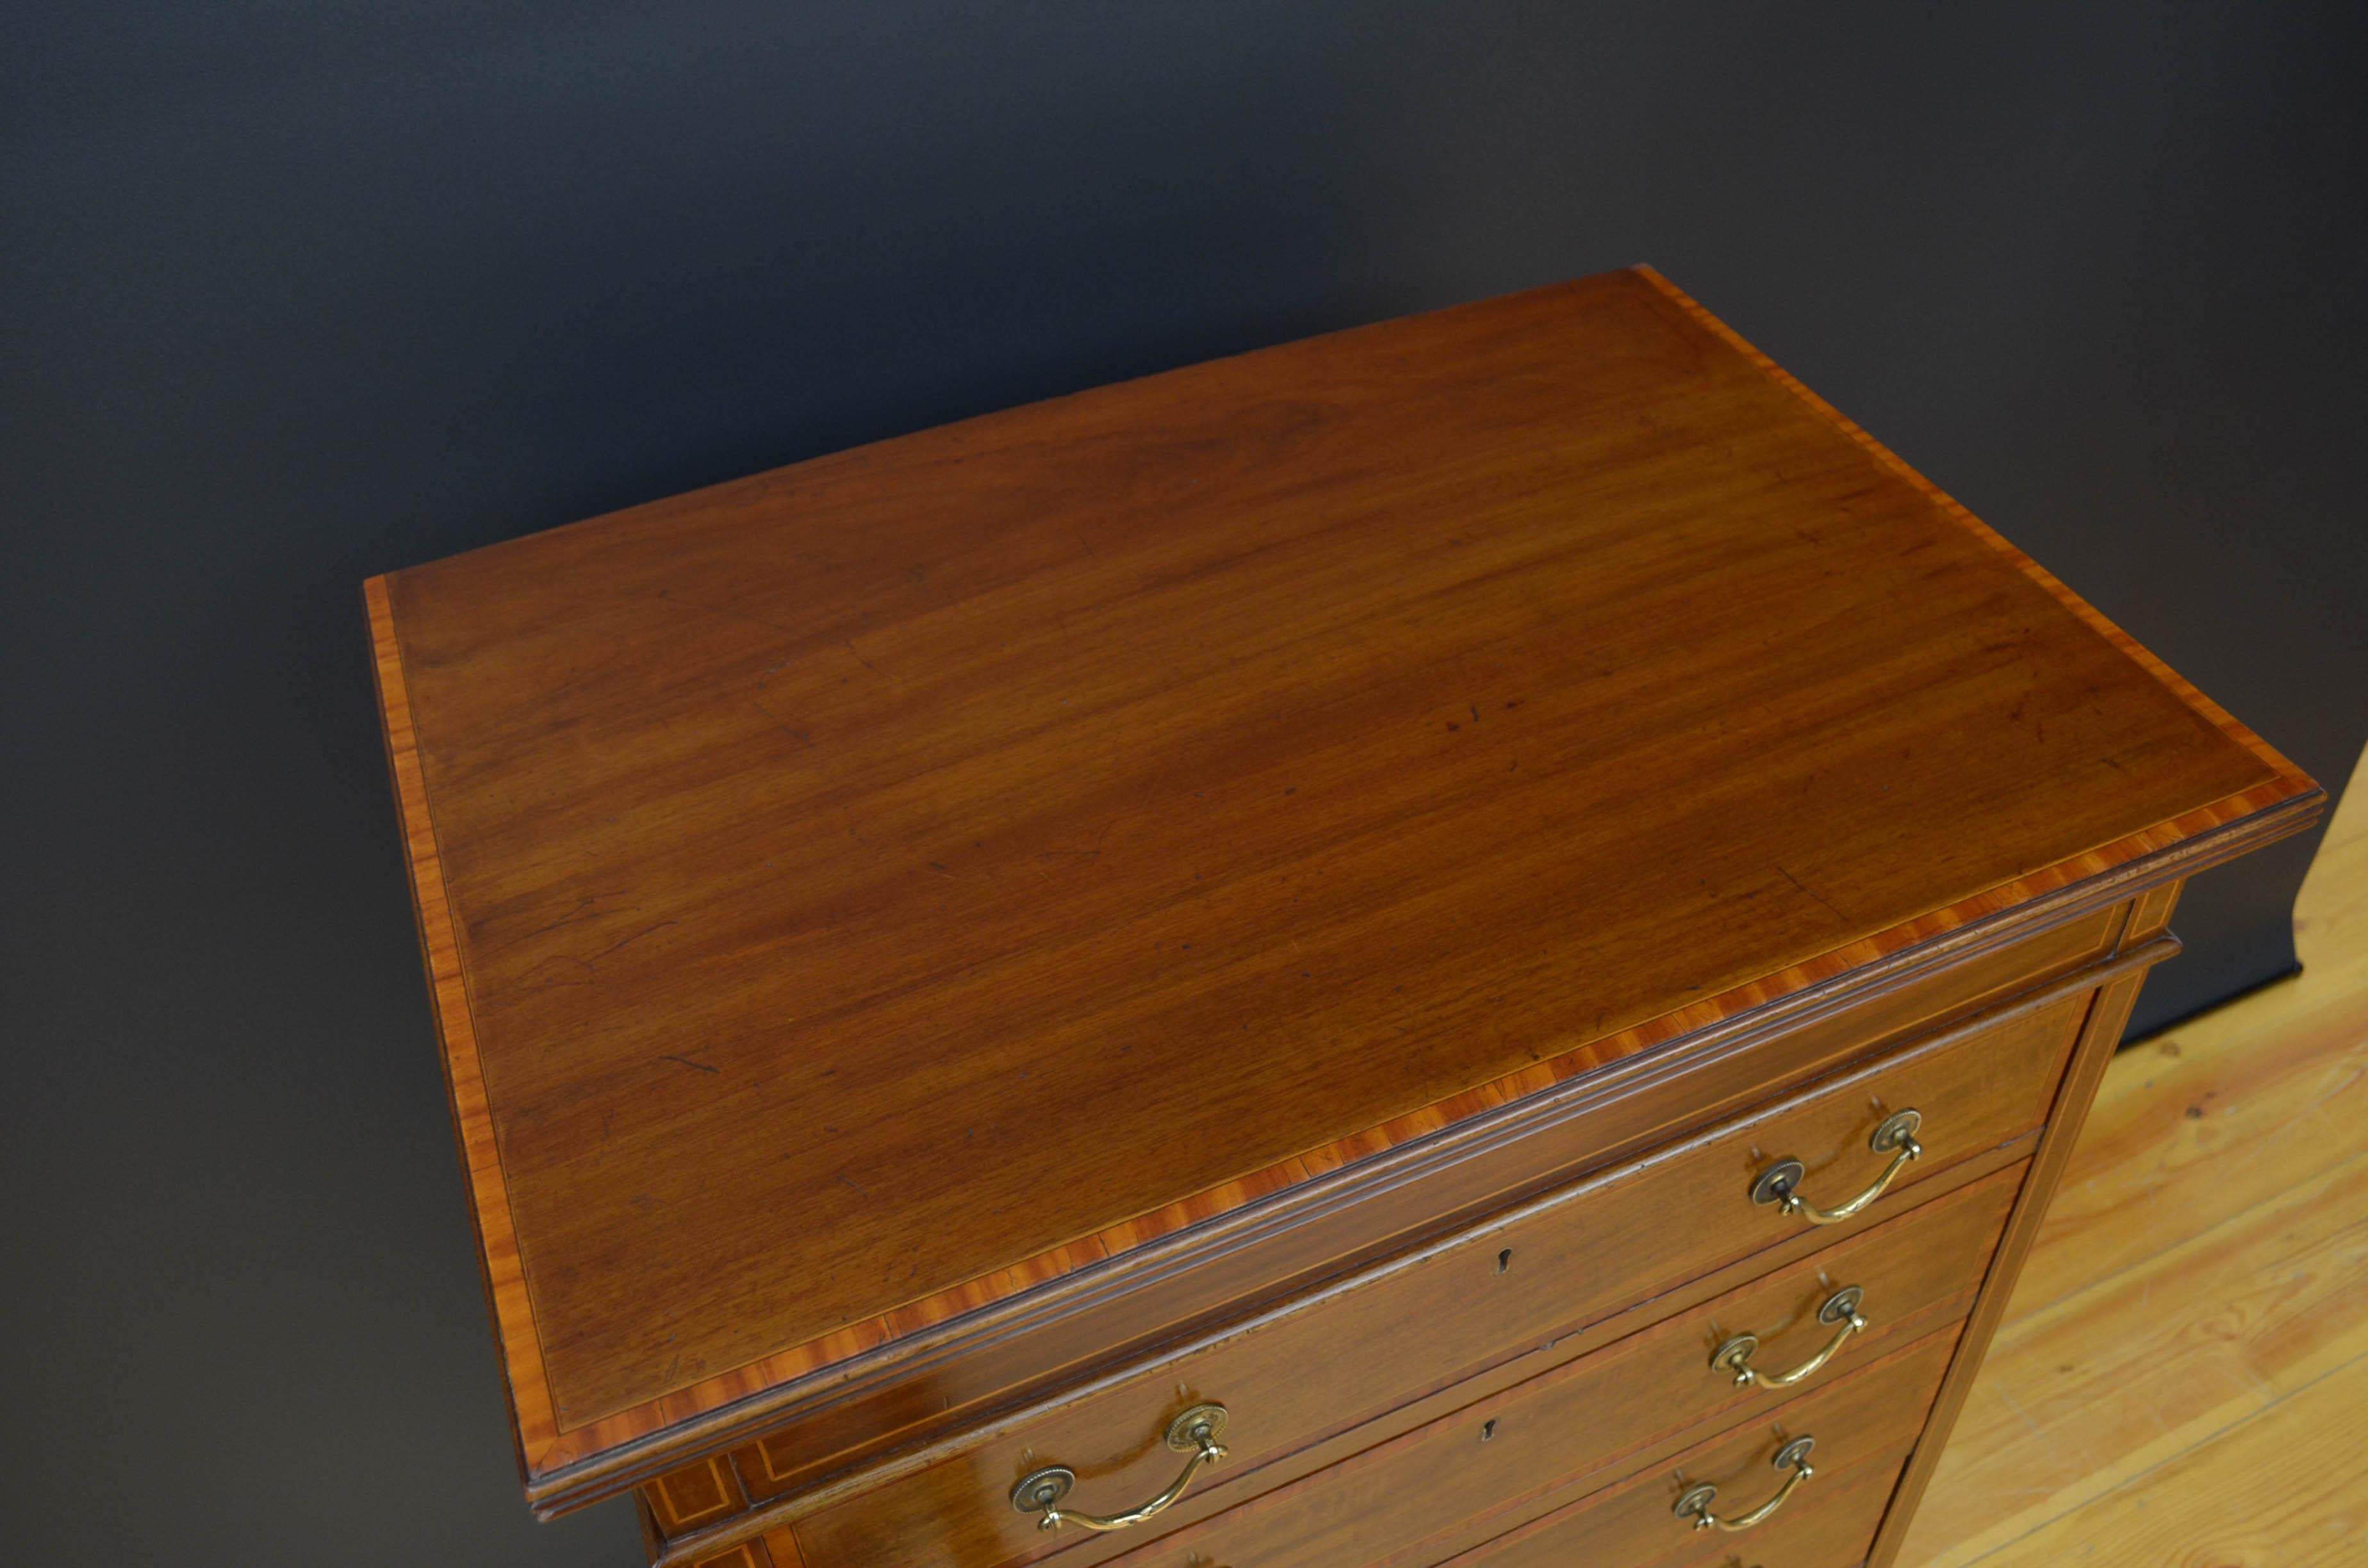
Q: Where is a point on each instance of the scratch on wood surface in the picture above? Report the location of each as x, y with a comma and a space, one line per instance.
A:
629, 941
1813, 893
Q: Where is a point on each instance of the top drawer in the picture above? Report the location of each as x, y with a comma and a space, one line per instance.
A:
1396, 1332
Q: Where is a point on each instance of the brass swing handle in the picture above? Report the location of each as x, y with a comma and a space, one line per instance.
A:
1840, 1309
1780, 1184
1195, 1432
1695, 1505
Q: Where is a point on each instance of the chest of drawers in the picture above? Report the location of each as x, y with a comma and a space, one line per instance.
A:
1476, 941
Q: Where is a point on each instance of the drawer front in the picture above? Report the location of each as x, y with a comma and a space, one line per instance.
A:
1416, 1323
1863, 1427
1565, 1432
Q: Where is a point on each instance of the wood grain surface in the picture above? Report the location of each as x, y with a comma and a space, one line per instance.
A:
863, 892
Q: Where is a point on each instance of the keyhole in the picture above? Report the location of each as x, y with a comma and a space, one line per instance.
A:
1487, 1430
1504, 1261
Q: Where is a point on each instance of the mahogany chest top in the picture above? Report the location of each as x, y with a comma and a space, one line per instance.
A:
879, 888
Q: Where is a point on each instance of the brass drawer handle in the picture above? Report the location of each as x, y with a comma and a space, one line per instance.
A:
1840, 1311
1781, 1182
1695, 1505
1195, 1432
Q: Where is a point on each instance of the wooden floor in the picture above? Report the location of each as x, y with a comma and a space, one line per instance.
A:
2183, 1377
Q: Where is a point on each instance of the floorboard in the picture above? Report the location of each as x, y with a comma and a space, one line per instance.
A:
2181, 1380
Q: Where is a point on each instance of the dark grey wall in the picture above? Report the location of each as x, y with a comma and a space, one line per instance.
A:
291, 294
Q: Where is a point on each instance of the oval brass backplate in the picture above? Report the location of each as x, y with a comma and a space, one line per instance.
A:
1040, 1489
1185, 1432
1735, 1353
1777, 1181
1897, 1129
1841, 1306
